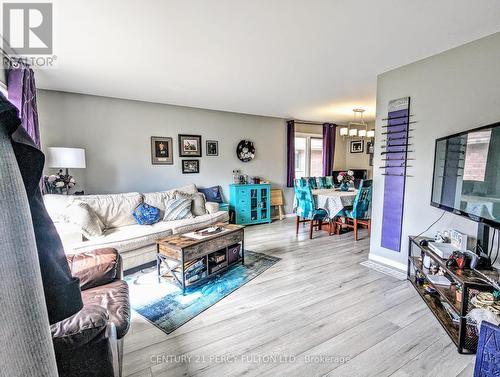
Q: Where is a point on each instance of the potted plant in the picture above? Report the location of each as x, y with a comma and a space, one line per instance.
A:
345, 179
59, 183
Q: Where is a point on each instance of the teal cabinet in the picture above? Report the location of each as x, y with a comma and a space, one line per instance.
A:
250, 204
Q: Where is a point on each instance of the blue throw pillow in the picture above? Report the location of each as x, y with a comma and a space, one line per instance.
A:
212, 194
145, 214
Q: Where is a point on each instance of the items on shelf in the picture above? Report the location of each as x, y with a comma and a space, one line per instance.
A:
458, 298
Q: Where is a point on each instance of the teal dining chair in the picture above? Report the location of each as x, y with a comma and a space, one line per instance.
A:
326, 182
360, 214
313, 183
306, 208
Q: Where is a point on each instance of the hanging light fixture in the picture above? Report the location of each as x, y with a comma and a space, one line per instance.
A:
352, 128
344, 131
371, 133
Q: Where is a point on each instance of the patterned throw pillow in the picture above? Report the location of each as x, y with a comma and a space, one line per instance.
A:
80, 214
197, 204
145, 214
177, 209
212, 194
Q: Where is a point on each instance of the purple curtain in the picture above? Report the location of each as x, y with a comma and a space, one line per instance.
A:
290, 153
22, 94
329, 131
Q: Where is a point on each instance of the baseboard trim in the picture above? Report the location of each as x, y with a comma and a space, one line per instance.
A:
133, 270
388, 262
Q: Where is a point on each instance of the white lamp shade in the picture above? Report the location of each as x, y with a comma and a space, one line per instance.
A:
344, 131
353, 132
362, 133
58, 157
371, 133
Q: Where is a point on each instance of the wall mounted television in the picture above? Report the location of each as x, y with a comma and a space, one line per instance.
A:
466, 177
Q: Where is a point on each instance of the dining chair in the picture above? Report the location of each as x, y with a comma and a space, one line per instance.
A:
306, 208
313, 183
326, 182
360, 213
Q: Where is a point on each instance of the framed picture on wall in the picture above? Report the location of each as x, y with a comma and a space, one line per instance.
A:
212, 148
357, 146
370, 148
190, 166
190, 145
162, 152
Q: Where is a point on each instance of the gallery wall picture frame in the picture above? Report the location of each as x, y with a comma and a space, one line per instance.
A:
162, 152
357, 146
370, 147
190, 145
212, 148
190, 166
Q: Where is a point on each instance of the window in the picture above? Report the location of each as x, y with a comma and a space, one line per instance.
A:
300, 157
316, 163
308, 156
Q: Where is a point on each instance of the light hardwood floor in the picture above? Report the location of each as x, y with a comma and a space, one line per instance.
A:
316, 312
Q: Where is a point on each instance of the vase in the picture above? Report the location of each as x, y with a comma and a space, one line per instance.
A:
344, 186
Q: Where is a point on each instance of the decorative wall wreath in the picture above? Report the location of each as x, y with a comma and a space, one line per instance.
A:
245, 151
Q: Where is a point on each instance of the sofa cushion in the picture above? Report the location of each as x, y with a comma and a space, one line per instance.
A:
113, 297
56, 204
126, 238
114, 210
96, 267
197, 202
212, 194
80, 214
188, 225
157, 199
146, 214
177, 209
212, 207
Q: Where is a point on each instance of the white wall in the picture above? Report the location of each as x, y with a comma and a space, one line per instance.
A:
451, 92
116, 136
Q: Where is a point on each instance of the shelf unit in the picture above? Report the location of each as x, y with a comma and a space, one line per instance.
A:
206, 263
250, 203
461, 333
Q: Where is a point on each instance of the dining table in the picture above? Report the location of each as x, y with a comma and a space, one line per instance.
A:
334, 201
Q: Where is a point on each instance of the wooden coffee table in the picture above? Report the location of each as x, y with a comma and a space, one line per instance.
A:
180, 249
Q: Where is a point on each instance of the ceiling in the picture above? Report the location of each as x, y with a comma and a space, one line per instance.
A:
302, 59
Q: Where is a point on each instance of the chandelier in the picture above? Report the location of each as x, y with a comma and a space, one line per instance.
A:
358, 126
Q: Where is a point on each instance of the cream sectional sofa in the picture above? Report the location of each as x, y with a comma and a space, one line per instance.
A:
134, 242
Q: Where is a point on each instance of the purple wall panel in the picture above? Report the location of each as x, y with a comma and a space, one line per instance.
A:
394, 187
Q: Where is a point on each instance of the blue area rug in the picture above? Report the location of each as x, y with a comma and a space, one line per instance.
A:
164, 305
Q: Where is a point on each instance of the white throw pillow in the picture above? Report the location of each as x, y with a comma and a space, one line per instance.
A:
80, 214
177, 209
197, 204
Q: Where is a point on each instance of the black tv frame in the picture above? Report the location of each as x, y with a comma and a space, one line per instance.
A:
459, 212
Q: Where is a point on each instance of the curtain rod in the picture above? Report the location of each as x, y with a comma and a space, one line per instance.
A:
309, 122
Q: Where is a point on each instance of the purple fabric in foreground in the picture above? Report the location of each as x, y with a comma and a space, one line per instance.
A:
22, 94
329, 131
394, 187
290, 153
